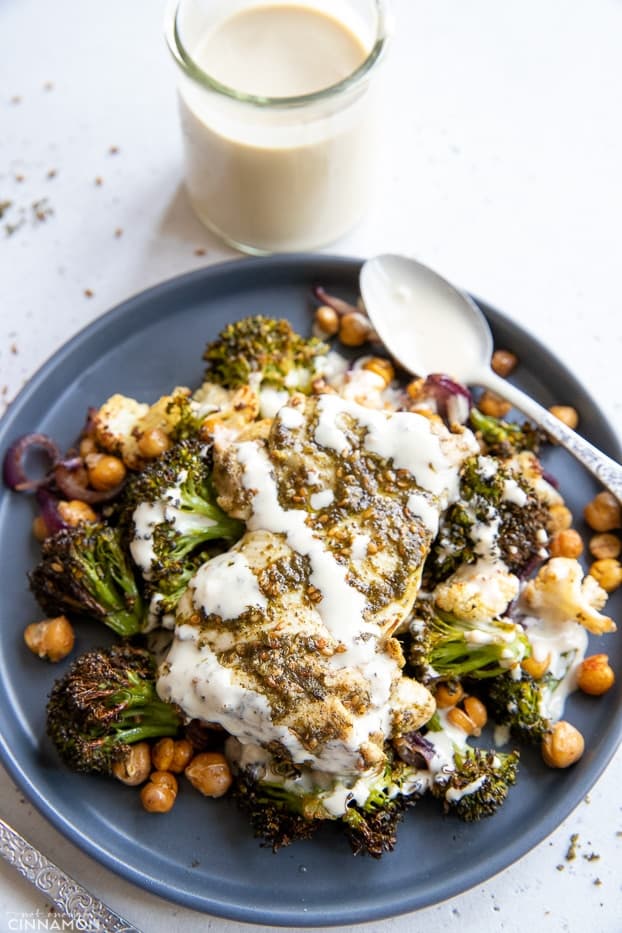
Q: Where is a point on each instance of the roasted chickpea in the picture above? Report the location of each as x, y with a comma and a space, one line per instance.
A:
607, 573
382, 367
39, 528
448, 694
560, 518
210, 774
536, 668
566, 543
476, 711
603, 513
134, 768
160, 793
504, 362
75, 512
354, 329
605, 545
105, 471
562, 746
327, 320
51, 639
153, 443
566, 414
414, 387
492, 404
595, 675
171, 754
458, 718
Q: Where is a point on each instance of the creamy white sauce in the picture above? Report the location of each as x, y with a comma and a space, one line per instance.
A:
271, 400
258, 174
321, 499
422, 507
513, 493
226, 586
358, 549
291, 417
405, 438
455, 794
341, 606
565, 644
148, 515
501, 735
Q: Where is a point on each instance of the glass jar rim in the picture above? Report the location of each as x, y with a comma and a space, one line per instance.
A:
357, 77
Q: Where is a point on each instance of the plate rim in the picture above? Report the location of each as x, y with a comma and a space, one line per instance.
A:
483, 870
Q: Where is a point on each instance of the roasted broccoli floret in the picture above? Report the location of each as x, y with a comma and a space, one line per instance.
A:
106, 702
518, 704
478, 785
169, 512
84, 571
504, 438
264, 351
441, 646
280, 815
497, 507
371, 827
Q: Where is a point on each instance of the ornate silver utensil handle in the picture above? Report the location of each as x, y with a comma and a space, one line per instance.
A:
88, 913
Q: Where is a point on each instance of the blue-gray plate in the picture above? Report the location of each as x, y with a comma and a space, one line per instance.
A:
203, 854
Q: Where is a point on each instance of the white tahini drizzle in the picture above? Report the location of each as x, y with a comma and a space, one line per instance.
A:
227, 587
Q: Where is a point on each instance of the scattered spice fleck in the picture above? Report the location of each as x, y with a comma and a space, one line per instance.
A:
16, 99
14, 349
41, 210
560, 867
99, 181
592, 857
88, 293
20, 177
199, 251
118, 232
52, 173
114, 150
48, 86
619, 833
572, 848
4, 206
597, 882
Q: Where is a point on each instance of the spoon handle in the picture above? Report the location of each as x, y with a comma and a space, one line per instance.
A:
603, 467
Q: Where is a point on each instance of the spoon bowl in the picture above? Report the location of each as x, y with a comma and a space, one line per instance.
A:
430, 326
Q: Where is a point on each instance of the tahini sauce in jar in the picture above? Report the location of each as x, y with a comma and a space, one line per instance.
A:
268, 168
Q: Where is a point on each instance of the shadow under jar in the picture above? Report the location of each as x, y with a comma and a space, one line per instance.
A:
278, 113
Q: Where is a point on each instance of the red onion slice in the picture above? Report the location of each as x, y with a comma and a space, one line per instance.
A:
48, 510
67, 477
337, 304
14, 473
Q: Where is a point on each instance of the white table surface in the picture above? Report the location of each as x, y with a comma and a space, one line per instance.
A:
504, 167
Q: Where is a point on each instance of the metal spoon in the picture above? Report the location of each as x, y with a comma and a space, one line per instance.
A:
429, 326
84, 910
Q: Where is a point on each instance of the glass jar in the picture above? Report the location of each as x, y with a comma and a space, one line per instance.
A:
273, 173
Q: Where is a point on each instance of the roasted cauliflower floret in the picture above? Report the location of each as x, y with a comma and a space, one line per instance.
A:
527, 465
477, 591
229, 410
560, 593
121, 422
